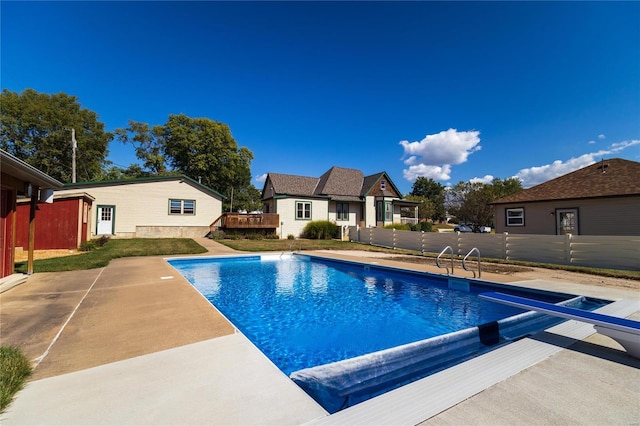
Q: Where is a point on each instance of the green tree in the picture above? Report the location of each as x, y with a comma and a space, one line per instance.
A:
470, 201
36, 128
247, 198
204, 149
426, 208
200, 148
434, 192
502, 188
148, 146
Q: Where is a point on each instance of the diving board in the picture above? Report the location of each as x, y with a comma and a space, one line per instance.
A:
622, 330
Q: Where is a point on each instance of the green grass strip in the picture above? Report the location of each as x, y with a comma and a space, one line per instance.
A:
15, 368
113, 249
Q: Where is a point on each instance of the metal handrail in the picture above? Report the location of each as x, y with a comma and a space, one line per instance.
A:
299, 245
464, 266
438, 259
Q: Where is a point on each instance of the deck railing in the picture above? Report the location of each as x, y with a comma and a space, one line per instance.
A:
247, 221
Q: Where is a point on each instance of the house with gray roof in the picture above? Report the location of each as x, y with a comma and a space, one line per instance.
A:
341, 195
600, 199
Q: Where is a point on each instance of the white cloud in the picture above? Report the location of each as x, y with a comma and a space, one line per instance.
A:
536, 175
261, 178
433, 156
423, 170
591, 142
486, 179
601, 136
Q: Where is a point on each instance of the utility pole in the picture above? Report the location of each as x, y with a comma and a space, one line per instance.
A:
74, 146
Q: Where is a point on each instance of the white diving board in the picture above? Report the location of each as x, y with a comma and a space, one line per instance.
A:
622, 330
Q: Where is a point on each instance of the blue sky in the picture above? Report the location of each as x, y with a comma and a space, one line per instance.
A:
453, 91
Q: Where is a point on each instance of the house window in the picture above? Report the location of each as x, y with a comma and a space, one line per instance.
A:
515, 217
383, 185
384, 211
303, 210
342, 211
184, 207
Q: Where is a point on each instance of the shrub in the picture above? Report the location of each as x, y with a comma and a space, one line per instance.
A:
320, 230
100, 242
87, 245
291, 237
399, 226
426, 226
93, 244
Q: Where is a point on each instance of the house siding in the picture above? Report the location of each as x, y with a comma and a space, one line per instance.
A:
143, 208
286, 208
597, 216
353, 218
370, 211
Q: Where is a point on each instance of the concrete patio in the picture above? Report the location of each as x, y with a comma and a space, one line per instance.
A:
134, 343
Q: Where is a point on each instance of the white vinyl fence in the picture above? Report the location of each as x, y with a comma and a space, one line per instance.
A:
614, 252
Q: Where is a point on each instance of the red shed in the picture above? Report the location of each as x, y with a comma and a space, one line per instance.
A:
63, 224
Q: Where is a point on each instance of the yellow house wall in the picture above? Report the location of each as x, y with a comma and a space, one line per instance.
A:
147, 204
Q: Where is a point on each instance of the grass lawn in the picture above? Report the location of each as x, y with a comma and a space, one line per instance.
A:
114, 249
299, 244
15, 368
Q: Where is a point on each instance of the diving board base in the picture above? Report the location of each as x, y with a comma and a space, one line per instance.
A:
630, 342
624, 331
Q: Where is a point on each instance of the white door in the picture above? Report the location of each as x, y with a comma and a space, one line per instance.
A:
105, 220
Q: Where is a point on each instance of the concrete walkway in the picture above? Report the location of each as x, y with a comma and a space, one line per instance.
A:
134, 343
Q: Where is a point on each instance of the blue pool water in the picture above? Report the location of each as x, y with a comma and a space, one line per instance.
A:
303, 313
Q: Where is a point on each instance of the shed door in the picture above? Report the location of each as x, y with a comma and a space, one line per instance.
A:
105, 220
567, 221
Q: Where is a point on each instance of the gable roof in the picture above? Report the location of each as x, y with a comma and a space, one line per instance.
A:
618, 177
370, 181
117, 182
337, 183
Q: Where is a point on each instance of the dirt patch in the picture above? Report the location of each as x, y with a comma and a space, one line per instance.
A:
532, 273
494, 268
23, 255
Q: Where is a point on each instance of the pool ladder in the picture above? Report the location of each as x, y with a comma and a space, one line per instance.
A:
293, 243
464, 261
438, 259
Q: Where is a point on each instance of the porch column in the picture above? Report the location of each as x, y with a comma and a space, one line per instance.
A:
32, 228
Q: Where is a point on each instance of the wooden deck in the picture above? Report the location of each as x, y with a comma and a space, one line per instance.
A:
246, 221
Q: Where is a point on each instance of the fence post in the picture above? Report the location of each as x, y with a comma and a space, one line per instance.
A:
393, 234
370, 236
505, 242
422, 242
567, 244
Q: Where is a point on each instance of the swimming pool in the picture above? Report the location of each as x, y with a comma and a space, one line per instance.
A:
346, 331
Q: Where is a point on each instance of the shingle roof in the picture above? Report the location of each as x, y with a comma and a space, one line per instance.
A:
337, 183
293, 185
620, 177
